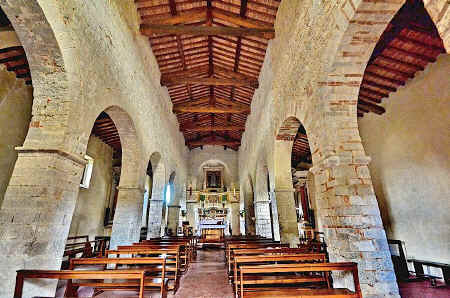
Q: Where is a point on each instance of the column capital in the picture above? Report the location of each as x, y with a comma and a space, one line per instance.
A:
73, 157
262, 201
335, 160
131, 188
284, 189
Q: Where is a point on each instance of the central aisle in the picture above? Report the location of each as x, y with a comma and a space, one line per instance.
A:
206, 277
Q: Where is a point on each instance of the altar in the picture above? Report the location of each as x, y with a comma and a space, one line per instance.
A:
212, 231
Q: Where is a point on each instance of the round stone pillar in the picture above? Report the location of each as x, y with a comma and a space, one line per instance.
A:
287, 216
35, 216
262, 214
235, 218
127, 222
173, 218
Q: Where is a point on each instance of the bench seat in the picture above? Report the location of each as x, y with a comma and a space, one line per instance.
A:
280, 279
300, 293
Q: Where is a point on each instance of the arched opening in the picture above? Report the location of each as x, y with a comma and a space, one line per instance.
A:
148, 188
170, 212
157, 199
16, 99
250, 227
98, 195
403, 109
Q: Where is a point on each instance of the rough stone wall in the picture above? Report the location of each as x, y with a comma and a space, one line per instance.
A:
409, 147
85, 57
88, 217
213, 156
16, 100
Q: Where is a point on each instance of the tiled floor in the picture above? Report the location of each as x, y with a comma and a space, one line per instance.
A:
423, 290
207, 278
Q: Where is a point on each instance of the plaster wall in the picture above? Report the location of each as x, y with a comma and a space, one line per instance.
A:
16, 100
213, 156
90, 209
409, 146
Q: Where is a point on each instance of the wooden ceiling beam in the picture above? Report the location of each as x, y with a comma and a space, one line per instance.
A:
379, 77
212, 128
418, 43
168, 81
195, 15
373, 92
392, 70
401, 62
238, 20
375, 85
151, 30
410, 54
371, 107
210, 109
214, 143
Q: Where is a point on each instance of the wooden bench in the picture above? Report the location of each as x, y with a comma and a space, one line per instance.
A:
172, 256
184, 253
247, 273
69, 275
289, 277
418, 268
157, 266
234, 246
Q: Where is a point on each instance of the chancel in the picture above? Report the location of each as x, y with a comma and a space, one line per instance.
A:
224, 148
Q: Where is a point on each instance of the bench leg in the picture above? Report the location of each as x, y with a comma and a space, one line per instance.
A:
71, 290
19, 286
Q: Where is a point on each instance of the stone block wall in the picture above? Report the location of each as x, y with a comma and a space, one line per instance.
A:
16, 100
88, 218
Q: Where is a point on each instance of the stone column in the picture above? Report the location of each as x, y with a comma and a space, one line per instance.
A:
127, 222
352, 224
190, 213
287, 216
173, 218
275, 222
263, 222
36, 215
155, 214
235, 218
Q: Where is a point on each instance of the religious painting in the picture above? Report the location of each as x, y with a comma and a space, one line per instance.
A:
213, 179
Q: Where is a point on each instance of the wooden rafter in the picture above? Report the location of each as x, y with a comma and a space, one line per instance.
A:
213, 128
167, 81
152, 29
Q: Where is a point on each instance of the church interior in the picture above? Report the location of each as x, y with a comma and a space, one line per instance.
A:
225, 148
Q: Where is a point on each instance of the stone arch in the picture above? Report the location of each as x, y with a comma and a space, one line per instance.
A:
340, 163
53, 94
46, 146
157, 199
128, 216
227, 173
284, 190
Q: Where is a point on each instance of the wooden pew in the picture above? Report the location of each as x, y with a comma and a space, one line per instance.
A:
189, 242
247, 271
418, 268
172, 256
80, 275
184, 253
233, 246
268, 259
157, 266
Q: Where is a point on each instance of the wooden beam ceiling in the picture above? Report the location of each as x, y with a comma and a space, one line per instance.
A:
398, 55
210, 54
